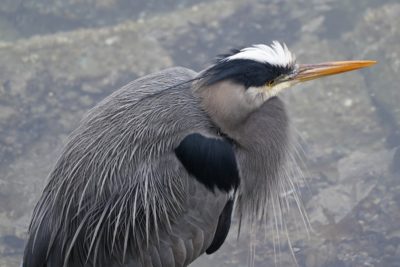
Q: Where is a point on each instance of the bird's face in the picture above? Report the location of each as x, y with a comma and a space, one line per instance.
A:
264, 71
246, 78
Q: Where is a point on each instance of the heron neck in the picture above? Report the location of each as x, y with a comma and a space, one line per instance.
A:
262, 146
226, 104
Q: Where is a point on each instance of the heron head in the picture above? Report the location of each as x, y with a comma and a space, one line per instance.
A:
243, 80
264, 70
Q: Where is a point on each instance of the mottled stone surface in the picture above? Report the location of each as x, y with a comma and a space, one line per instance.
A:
376, 36
347, 126
50, 16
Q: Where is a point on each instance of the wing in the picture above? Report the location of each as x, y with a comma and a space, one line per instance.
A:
212, 162
192, 233
205, 223
128, 187
224, 224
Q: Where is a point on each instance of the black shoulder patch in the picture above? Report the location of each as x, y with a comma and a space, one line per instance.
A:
224, 224
211, 161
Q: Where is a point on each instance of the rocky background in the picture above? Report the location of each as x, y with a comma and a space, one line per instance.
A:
60, 57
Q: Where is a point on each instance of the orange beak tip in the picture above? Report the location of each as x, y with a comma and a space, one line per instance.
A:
369, 63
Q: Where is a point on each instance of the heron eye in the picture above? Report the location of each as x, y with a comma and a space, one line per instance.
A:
270, 83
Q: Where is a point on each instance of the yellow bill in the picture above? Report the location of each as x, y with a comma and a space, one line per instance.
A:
307, 72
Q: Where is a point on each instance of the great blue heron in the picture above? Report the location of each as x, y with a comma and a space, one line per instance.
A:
151, 175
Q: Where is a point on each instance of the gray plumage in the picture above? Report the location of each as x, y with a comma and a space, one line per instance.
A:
118, 191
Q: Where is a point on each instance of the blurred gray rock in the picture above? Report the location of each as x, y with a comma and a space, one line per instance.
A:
32, 17
357, 175
8, 6
376, 37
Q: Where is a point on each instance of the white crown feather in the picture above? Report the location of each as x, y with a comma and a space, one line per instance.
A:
276, 54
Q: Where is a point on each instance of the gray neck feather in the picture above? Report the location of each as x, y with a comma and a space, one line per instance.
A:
263, 143
260, 130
